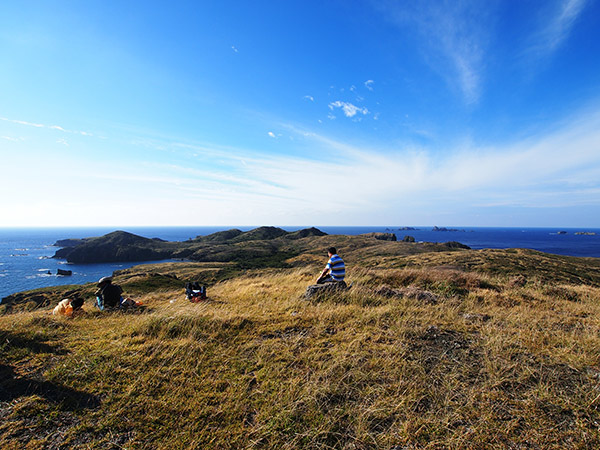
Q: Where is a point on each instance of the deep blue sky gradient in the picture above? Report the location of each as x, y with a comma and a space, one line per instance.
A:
338, 113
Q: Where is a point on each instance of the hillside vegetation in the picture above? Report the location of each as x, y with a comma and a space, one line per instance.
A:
252, 248
431, 348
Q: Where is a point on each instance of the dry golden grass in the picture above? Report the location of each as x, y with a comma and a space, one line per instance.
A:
483, 363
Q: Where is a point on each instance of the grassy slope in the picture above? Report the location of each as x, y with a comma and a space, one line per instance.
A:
493, 363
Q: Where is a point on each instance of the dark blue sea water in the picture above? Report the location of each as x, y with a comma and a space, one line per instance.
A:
26, 263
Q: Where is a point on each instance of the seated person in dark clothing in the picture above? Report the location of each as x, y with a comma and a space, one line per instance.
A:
108, 294
195, 292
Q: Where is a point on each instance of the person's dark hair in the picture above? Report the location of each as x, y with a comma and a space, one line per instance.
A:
332, 250
77, 303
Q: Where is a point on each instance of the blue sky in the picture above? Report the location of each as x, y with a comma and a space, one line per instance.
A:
480, 113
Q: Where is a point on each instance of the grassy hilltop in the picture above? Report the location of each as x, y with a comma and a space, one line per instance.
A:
432, 348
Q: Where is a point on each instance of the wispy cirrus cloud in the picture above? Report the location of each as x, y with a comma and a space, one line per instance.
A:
453, 37
48, 127
554, 169
369, 84
11, 139
237, 184
519, 174
556, 25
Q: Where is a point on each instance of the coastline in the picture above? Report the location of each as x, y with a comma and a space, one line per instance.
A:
26, 253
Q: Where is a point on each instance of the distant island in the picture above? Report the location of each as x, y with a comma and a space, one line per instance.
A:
446, 229
585, 233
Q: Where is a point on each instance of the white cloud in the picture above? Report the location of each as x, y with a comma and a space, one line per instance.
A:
454, 36
234, 49
309, 97
556, 26
270, 133
369, 84
50, 127
245, 187
22, 122
553, 170
452, 42
349, 109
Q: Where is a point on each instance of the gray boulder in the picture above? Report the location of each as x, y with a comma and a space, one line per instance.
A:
319, 290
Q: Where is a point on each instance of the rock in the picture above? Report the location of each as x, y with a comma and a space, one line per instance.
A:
68, 242
445, 229
454, 244
408, 239
381, 236
65, 273
593, 373
386, 291
432, 329
408, 292
585, 233
561, 232
418, 294
474, 317
517, 281
319, 290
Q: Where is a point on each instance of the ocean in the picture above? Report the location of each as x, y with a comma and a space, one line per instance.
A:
26, 253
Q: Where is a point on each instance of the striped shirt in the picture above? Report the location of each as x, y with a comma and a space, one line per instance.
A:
337, 268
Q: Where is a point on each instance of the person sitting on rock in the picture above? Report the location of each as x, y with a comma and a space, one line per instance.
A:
335, 270
68, 307
108, 294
